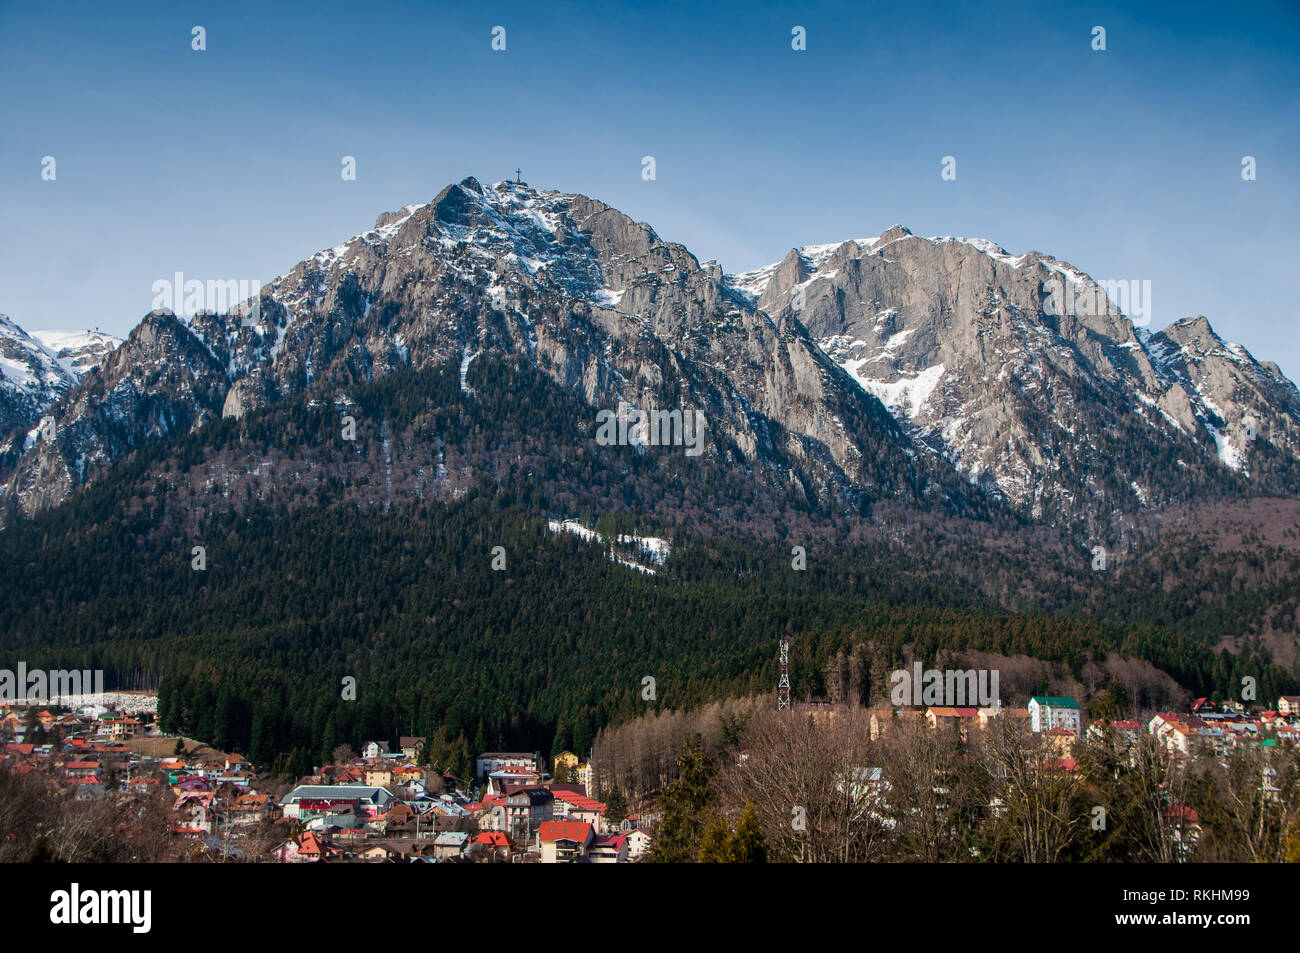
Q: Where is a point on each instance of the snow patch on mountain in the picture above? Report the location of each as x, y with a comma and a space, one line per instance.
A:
990, 248
649, 549
908, 394
78, 352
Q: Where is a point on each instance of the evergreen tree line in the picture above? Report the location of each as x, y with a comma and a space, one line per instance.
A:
323, 581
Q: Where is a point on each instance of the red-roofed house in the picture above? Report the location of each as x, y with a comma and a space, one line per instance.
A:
608, 849
1130, 731
1186, 827
194, 814
570, 806
957, 718
494, 842
564, 841
1177, 732
1061, 739
251, 809
307, 847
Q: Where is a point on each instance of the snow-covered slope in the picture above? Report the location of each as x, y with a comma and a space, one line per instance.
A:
36, 370
31, 378
38, 367
78, 352
1027, 376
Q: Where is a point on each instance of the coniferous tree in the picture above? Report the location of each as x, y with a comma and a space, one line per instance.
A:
615, 806
684, 806
715, 842
747, 845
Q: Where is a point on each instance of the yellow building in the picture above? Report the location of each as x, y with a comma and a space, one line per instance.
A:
566, 760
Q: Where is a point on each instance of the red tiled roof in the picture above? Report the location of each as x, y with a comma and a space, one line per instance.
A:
492, 839
564, 830
580, 801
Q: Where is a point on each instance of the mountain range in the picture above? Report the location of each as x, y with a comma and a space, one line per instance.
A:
941, 374
391, 465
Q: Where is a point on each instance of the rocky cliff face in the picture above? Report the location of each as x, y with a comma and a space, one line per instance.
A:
31, 379
159, 384
1027, 376
1250, 409
941, 372
598, 302
78, 352
38, 369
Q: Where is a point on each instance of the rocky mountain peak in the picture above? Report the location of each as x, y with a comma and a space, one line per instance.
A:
1188, 331
37, 370
834, 370
891, 234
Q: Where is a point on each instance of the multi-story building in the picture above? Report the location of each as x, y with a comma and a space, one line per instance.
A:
308, 800
1054, 711
526, 810
490, 761
563, 842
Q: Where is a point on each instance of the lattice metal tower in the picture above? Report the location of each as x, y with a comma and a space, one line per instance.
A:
783, 686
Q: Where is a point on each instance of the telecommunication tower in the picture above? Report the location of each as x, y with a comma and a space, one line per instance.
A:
783, 686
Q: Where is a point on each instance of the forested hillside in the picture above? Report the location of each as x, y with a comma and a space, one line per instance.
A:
373, 559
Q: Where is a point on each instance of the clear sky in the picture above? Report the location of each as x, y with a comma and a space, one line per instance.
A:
225, 164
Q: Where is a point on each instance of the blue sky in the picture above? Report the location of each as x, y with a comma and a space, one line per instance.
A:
225, 163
